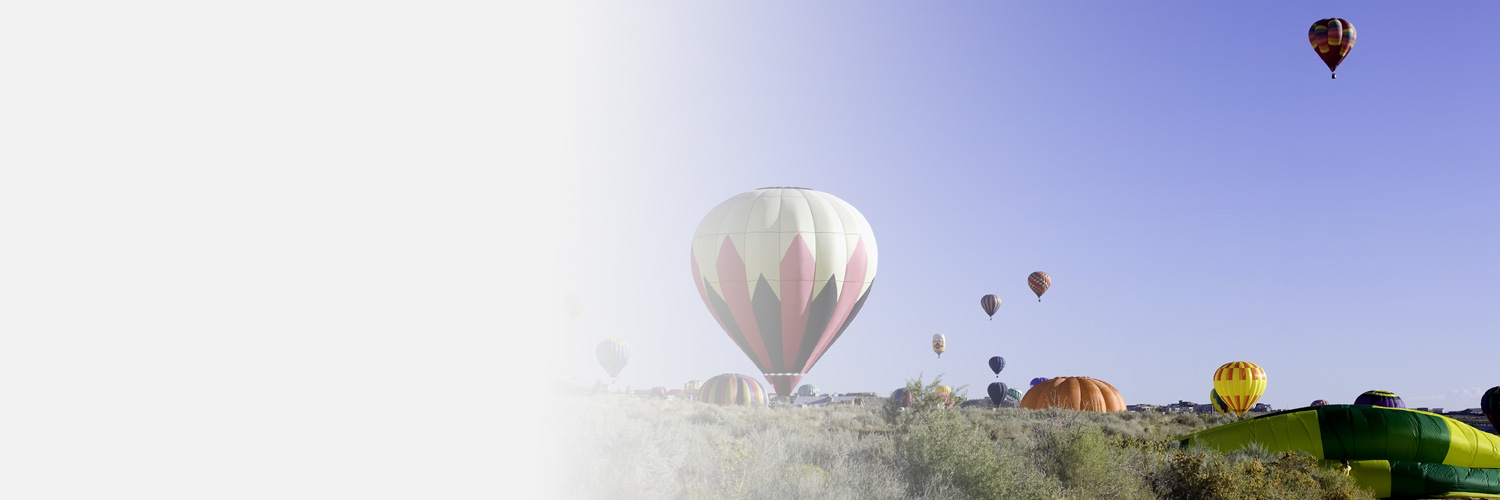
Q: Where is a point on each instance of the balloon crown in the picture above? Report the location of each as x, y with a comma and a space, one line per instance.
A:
784, 187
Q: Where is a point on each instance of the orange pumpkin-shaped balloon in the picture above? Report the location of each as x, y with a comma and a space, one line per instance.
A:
1077, 393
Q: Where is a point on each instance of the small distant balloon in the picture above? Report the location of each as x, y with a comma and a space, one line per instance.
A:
1038, 380
998, 391
573, 306
997, 363
902, 397
807, 390
613, 355
1216, 401
1319, 402
939, 344
990, 303
1387, 399
1332, 39
1240, 384
1490, 405
1039, 282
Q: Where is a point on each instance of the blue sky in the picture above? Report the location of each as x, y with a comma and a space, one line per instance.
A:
1197, 186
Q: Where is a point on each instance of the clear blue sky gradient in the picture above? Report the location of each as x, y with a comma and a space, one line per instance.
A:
1199, 189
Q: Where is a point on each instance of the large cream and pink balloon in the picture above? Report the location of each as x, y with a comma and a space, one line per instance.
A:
784, 271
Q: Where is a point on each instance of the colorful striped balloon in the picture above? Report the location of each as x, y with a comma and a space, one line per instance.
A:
902, 397
1214, 399
990, 303
784, 271
1387, 399
1240, 384
1039, 283
1013, 394
613, 355
1319, 402
733, 389
1332, 39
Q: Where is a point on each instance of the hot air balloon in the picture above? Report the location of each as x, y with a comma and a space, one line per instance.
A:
784, 271
1332, 39
1318, 402
1216, 401
1038, 380
658, 392
692, 386
1077, 393
997, 363
939, 344
675, 392
733, 389
807, 390
1239, 384
573, 306
998, 391
1013, 394
1039, 282
947, 394
902, 396
1387, 399
1489, 403
990, 303
1394, 453
613, 355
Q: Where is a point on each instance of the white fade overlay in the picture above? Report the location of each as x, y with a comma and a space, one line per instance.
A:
279, 249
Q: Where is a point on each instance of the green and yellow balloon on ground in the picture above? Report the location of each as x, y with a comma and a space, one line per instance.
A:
1392, 452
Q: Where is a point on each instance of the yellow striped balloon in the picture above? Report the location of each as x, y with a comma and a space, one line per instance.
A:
1239, 384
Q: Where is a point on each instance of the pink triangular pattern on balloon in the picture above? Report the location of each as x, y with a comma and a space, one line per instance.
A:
849, 289
797, 273
737, 296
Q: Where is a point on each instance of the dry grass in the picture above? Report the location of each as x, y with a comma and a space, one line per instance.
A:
625, 447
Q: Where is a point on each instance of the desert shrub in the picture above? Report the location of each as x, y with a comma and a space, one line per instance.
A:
1251, 474
1088, 464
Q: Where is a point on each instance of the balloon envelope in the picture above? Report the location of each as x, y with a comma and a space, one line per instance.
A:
784, 271
1332, 39
1489, 403
1039, 283
733, 389
1216, 401
1076, 393
939, 344
613, 355
1240, 384
807, 390
1319, 402
573, 306
990, 303
997, 363
1387, 399
903, 397
1038, 380
998, 391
